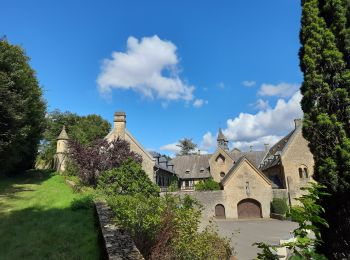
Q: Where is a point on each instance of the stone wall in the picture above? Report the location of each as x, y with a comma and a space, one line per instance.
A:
117, 243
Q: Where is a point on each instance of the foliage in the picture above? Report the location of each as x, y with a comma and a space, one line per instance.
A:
174, 184
307, 215
127, 179
279, 206
98, 157
207, 184
186, 146
37, 221
325, 63
84, 129
167, 227
22, 110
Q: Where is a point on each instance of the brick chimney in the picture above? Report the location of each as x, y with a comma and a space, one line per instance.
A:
298, 122
120, 123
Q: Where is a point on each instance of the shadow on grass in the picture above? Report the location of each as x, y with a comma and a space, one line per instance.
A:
34, 233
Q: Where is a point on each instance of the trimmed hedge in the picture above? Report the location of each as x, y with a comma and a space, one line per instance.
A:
279, 206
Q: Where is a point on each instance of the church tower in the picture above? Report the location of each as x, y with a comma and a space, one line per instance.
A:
61, 150
222, 140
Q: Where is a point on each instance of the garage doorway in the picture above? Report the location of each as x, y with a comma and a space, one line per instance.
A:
249, 208
220, 211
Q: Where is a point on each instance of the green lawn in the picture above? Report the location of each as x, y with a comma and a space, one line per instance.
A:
37, 221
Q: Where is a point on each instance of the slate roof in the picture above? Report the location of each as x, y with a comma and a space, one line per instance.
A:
273, 157
162, 162
192, 166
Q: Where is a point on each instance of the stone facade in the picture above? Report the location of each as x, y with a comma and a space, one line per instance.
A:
249, 180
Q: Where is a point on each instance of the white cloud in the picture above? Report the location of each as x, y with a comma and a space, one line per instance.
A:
258, 144
249, 83
261, 104
173, 148
267, 125
149, 66
199, 103
207, 142
280, 90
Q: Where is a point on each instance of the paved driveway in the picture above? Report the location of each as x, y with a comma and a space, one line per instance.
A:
246, 232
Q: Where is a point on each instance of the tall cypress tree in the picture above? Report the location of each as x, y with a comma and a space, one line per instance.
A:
324, 61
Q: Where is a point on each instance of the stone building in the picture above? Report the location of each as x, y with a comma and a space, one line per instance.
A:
249, 180
156, 167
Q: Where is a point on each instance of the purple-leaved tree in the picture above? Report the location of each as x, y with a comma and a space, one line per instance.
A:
99, 156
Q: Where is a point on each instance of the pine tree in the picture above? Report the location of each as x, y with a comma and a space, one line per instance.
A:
324, 61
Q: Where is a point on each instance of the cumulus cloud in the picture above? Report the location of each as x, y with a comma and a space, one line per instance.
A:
249, 83
267, 125
173, 148
280, 90
258, 144
149, 66
207, 142
261, 104
199, 103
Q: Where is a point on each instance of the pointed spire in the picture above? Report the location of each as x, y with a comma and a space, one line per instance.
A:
63, 135
221, 136
222, 140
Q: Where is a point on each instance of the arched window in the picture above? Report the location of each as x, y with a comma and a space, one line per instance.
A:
300, 173
306, 173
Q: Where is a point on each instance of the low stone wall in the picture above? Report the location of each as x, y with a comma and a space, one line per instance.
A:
280, 193
117, 243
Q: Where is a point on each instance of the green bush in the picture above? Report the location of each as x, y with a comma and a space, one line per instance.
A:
167, 227
208, 184
127, 179
174, 184
279, 206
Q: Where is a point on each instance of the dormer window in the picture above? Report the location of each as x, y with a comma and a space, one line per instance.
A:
187, 171
201, 169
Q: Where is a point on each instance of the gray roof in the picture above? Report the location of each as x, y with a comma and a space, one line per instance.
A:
63, 135
273, 157
192, 166
162, 162
255, 157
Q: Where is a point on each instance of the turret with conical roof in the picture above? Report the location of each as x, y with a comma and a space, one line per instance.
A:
61, 150
222, 140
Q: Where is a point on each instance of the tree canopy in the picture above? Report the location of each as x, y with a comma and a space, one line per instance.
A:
22, 110
325, 63
186, 146
84, 129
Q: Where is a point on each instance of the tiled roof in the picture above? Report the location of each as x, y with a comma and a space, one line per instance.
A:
192, 166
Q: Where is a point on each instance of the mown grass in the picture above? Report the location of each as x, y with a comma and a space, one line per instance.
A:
37, 220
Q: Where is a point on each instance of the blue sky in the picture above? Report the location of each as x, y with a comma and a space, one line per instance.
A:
179, 69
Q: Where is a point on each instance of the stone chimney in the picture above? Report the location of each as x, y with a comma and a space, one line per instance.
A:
298, 122
120, 123
250, 148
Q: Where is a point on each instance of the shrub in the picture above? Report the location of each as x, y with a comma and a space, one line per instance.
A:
174, 184
279, 206
167, 227
99, 156
127, 179
208, 184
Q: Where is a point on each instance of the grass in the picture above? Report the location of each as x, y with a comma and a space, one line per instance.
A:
40, 219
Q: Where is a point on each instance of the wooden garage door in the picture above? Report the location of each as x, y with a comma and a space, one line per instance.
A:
220, 211
249, 208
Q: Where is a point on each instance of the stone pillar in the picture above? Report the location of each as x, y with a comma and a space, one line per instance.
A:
61, 151
120, 123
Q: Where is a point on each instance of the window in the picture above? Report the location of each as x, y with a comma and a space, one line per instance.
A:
300, 173
303, 172
222, 174
306, 173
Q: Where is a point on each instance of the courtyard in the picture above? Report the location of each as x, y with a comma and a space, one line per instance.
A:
246, 232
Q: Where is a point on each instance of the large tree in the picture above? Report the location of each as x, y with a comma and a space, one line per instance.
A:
22, 110
325, 63
186, 146
84, 129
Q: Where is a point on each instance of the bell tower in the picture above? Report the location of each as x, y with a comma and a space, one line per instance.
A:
222, 140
